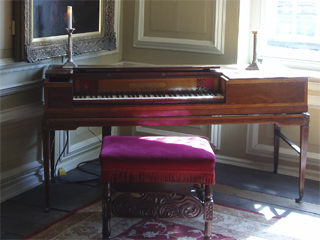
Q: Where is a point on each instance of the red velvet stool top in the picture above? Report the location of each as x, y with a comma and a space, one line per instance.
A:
157, 159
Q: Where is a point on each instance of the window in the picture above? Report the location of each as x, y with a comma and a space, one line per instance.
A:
290, 30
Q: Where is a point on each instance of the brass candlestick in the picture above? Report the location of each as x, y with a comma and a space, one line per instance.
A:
254, 65
70, 63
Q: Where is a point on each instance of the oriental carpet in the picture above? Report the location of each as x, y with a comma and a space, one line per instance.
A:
229, 224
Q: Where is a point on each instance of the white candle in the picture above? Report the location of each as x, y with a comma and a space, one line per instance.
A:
69, 12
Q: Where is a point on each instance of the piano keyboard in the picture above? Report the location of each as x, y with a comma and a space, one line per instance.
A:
152, 97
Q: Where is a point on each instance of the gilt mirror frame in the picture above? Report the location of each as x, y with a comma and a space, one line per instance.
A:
28, 48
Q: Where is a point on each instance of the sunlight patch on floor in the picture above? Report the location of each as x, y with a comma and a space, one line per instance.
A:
297, 226
268, 213
255, 238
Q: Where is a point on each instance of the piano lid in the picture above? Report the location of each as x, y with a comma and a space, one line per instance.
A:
266, 71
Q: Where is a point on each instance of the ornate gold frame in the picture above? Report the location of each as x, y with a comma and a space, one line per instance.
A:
26, 48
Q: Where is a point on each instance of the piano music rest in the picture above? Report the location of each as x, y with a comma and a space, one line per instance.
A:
134, 161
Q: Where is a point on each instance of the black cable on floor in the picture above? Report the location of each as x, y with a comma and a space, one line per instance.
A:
78, 166
59, 159
86, 171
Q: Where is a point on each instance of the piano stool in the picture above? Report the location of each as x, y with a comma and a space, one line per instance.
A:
152, 177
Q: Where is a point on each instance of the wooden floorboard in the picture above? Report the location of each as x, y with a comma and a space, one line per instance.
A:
267, 198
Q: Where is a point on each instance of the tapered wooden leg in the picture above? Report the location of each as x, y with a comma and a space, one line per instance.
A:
208, 212
106, 131
46, 159
106, 211
304, 135
52, 157
276, 148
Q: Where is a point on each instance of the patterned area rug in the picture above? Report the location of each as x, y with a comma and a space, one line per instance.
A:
229, 224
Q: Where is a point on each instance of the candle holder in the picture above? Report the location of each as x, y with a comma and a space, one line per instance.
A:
70, 63
254, 65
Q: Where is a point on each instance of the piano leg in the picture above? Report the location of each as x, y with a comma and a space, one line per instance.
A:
106, 131
51, 156
276, 148
304, 134
46, 158
302, 151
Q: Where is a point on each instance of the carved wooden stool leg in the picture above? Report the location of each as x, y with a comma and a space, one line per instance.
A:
106, 211
208, 212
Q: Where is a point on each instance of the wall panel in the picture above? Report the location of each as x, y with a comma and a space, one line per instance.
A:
189, 26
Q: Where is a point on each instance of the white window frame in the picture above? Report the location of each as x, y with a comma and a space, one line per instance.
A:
253, 20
